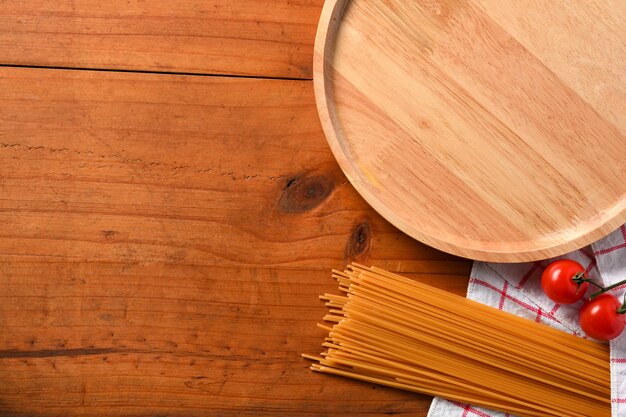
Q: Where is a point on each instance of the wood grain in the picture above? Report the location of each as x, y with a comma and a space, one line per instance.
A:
473, 128
244, 37
183, 170
163, 240
132, 339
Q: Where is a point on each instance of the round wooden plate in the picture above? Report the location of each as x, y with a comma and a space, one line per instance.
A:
490, 129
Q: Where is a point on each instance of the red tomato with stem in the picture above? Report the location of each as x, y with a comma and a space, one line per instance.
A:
558, 282
602, 317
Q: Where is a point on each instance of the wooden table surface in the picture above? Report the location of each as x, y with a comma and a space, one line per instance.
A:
170, 210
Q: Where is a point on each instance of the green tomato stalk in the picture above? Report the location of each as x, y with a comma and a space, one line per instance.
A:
605, 289
580, 278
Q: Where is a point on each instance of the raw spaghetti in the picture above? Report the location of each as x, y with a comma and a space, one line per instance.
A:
391, 330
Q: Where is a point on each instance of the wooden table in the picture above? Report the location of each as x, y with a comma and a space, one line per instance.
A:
170, 210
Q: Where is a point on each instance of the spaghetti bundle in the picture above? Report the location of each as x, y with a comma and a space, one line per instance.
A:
394, 331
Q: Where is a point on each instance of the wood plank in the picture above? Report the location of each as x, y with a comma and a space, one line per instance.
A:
120, 338
198, 170
244, 37
163, 240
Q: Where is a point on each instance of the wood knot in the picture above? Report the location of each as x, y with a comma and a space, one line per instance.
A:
359, 243
302, 194
108, 234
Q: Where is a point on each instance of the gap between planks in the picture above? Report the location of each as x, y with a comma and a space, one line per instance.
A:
132, 71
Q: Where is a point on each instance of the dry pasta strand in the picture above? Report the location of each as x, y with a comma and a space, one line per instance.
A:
394, 331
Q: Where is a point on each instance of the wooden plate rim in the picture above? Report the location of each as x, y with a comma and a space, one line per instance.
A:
330, 20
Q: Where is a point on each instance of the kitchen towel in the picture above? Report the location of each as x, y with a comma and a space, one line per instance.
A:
516, 288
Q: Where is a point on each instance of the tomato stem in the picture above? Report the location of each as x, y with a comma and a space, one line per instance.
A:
593, 283
609, 288
579, 278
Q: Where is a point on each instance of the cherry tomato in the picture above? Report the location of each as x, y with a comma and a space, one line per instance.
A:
600, 319
557, 281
